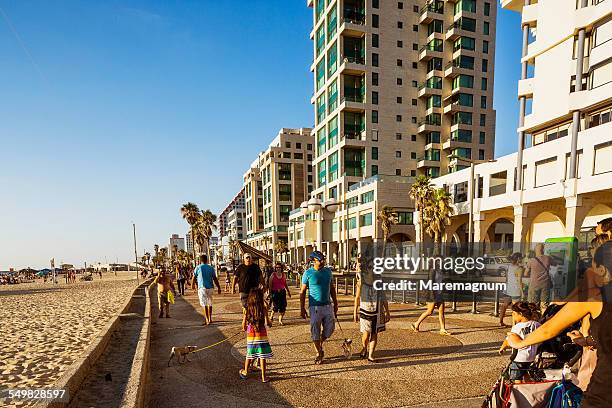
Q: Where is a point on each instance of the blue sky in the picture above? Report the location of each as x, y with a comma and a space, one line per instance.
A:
119, 111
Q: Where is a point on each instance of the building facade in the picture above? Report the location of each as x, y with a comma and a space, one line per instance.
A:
280, 179
237, 203
175, 244
189, 243
399, 87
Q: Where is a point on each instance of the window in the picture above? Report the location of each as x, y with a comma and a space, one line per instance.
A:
319, 9
399, 81
284, 171
483, 119
413, 138
400, 44
352, 223
483, 84
461, 135
398, 118
467, 24
400, 5
413, 119
404, 218
398, 172
374, 59
463, 80
481, 154
485, 65
374, 153
485, 28
415, 84
375, 40
415, 47
413, 155
288, 145
374, 170
465, 5
374, 116
415, 9
332, 22
320, 73
461, 118
309, 146
398, 99
398, 136
465, 99
414, 102
434, 101
322, 173
464, 43
332, 135
367, 197
415, 65
434, 27
298, 156
284, 192
487, 9
375, 4
375, 20
399, 62
415, 28
374, 97
375, 78
599, 118
432, 137
320, 108
333, 166
483, 102
400, 25
485, 47
434, 64
398, 154
320, 39
332, 99
332, 60
365, 220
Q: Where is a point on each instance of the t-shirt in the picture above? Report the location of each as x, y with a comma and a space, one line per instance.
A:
204, 273
538, 272
248, 277
319, 284
526, 354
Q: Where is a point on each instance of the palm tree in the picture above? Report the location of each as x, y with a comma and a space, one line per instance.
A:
438, 213
206, 223
266, 240
281, 247
191, 214
163, 255
146, 258
156, 256
421, 192
387, 217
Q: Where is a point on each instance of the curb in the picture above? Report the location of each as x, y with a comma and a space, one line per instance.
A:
135, 391
72, 379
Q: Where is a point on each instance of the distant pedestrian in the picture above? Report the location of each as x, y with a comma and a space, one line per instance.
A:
538, 270
254, 322
181, 277
205, 276
164, 286
228, 279
322, 302
435, 301
100, 273
279, 290
514, 285
248, 276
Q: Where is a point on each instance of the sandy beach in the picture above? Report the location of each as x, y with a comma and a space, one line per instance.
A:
46, 327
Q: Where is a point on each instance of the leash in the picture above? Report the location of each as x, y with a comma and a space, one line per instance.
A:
217, 343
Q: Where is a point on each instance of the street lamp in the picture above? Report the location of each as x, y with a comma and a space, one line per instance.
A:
472, 163
315, 205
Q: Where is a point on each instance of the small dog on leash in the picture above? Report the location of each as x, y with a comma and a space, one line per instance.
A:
181, 353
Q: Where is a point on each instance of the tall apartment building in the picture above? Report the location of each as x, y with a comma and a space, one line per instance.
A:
175, 241
566, 77
399, 86
279, 180
189, 242
223, 219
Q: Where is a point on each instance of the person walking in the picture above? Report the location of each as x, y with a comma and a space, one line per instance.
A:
538, 270
254, 322
514, 285
164, 286
279, 290
181, 277
205, 276
371, 311
436, 301
248, 276
322, 302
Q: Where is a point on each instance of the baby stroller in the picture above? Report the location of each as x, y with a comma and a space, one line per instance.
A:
558, 352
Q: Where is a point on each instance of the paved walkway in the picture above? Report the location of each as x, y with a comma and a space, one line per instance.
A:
414, 369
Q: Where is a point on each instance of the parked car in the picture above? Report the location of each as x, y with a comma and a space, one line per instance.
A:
496, 266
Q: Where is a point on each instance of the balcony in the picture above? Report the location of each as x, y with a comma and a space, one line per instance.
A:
353, 132
457, 29
433, 10
426, 126
353, 23
425, 162
455, 143
451, 106
427, 52
453, 69
425, 91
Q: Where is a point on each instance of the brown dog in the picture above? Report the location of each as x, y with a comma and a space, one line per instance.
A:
181, 352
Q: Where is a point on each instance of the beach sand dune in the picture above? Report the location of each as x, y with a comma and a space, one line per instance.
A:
46, 327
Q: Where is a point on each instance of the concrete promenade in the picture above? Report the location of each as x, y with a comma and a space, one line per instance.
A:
414, 369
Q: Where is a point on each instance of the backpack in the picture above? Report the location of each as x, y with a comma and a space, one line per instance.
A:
565, 395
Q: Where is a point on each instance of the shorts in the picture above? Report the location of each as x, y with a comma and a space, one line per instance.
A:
367, 326
243, 299
321, 316
279, 300
206, 296
517, 370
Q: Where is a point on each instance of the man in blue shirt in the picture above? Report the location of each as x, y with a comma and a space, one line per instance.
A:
206, 277
321, 292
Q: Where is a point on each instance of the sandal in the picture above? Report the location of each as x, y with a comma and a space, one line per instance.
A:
414, 328
372, 360
444, 332
319, 358
242, 375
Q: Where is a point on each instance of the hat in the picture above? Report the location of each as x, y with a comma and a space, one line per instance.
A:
318, 255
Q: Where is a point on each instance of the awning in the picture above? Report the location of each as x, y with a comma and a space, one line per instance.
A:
255, 252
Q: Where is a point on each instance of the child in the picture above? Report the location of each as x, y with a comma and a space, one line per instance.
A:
524, 318
227, 281
254, 323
